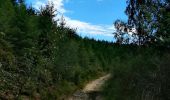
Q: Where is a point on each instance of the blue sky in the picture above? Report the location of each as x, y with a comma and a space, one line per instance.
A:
91, 18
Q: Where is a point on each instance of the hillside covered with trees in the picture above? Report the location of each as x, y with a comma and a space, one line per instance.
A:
43, 59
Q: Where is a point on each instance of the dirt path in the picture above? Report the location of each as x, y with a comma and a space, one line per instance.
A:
96, 84
92, 90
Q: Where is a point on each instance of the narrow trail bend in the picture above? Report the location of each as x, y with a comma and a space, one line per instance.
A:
92, 90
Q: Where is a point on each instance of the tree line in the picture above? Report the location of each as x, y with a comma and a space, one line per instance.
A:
41, 57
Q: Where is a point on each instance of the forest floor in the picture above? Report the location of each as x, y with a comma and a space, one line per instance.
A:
92, 90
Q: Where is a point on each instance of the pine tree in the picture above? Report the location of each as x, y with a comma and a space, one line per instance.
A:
47, 27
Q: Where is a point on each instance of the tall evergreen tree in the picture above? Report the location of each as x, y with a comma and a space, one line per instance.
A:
47, 27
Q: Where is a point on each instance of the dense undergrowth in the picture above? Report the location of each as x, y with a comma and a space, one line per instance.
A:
140, 74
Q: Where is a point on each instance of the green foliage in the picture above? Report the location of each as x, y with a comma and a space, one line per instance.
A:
41, 59
140, 77
150, 18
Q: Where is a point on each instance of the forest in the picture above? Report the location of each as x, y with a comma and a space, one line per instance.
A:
43, 59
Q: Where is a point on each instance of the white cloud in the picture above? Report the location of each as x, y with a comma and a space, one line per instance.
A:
58, 4
82, 27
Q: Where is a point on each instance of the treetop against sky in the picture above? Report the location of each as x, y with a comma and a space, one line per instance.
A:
91, 18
